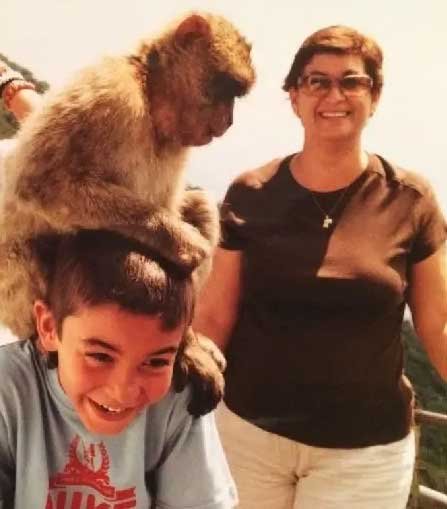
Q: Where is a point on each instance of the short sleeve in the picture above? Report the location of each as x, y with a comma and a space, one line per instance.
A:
248, 202
194, 472
430, 225
232, 220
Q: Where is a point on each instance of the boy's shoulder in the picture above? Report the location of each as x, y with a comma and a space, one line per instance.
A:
20, 367
168, 419
171, 410
16, 356
190, 464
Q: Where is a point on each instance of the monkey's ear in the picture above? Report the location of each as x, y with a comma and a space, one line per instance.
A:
192, 28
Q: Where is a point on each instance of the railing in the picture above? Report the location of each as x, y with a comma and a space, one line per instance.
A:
431, 498
423, 497
425, 417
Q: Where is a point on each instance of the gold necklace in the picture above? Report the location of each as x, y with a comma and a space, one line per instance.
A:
328, 218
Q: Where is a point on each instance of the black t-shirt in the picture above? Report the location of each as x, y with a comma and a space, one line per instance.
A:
316, 353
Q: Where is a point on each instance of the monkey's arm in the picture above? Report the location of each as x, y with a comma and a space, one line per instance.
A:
104, 205
200, 363
201, 211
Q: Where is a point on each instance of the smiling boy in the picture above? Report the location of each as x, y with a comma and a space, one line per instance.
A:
102, 428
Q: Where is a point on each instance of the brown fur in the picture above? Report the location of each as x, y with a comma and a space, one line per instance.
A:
108, 152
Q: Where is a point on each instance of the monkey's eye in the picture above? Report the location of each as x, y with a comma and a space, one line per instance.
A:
224, 87
153, 59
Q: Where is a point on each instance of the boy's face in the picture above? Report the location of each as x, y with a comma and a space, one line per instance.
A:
111, 363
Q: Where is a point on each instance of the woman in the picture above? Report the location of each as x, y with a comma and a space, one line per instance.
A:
320, 254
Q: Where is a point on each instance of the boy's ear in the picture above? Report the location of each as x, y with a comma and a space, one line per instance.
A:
46, 326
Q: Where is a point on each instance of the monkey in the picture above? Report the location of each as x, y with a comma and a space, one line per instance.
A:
108, 152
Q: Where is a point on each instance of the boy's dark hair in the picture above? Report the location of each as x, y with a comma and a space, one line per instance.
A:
338, 40
99, 267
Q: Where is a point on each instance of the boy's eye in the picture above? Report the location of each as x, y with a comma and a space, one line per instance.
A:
158, 362
99, 357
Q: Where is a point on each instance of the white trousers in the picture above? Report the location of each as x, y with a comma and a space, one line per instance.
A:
273, 472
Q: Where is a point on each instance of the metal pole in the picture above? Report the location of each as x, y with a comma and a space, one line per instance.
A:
437, 499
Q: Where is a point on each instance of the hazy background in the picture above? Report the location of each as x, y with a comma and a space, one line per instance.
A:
54, 37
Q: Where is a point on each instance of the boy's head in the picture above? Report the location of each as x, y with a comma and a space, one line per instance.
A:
114, 316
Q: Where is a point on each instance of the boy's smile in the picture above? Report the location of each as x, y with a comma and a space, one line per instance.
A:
111, 363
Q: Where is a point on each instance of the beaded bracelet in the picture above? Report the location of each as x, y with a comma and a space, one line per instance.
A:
7, 75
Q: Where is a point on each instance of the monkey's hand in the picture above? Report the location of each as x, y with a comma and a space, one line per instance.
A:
200, 363
200, 210
169, 238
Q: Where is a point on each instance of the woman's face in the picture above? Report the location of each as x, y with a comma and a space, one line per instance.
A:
333, 112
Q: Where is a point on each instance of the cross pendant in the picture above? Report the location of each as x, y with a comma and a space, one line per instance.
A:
327, 221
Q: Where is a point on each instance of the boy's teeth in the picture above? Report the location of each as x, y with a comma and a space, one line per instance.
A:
110, 409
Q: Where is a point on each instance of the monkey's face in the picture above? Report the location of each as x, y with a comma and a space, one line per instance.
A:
209, 113
195, 112
194, 76
200, 124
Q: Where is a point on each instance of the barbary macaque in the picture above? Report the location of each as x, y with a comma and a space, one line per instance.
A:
108, 152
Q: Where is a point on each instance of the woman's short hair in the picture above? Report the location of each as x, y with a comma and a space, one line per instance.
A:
338, 40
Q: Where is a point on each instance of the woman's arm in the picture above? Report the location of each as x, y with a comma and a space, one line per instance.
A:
19, 96
428, 305
23, 101
218, 302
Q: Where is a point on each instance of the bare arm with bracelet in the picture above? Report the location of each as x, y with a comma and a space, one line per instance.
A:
19, 96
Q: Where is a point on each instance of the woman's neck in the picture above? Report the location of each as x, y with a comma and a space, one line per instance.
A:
327, 168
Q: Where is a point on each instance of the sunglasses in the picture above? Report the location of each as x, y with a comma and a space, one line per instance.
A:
351, 85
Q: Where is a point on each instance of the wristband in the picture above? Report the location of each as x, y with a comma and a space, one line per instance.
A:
7, 75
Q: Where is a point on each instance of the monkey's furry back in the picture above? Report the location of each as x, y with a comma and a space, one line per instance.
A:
98, 127
87, 154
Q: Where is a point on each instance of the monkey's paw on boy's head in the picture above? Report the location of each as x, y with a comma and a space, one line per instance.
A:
200, 363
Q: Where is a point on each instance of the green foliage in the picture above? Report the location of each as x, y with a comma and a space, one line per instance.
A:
431, 394
8, 124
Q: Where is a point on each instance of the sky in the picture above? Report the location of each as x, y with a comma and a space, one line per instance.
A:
53, 38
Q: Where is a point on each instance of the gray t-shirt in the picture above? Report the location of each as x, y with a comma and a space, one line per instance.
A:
48, 460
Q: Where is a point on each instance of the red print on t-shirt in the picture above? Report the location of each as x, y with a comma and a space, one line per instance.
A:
85, 482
